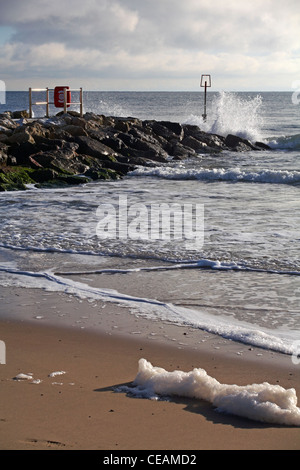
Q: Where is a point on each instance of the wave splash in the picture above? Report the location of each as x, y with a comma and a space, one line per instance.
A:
233, 114
260, 402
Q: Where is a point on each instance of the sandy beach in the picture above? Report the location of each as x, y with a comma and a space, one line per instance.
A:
80, 408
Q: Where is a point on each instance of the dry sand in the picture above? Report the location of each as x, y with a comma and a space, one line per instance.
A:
80, 409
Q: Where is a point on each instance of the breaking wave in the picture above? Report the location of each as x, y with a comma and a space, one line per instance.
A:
290, 142
220, 174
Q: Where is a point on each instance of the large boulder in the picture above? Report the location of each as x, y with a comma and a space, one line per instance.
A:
94, 148
238, 144
20, 136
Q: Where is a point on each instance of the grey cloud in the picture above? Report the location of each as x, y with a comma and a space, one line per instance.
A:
147, 38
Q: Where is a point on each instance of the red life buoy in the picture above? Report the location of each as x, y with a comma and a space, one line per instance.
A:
59, 96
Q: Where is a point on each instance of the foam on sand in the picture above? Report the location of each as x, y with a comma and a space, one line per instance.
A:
260, 402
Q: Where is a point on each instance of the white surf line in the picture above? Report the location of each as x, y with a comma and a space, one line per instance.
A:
154, 309
202, 264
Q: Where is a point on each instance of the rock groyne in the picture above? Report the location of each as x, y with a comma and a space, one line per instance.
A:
68, 149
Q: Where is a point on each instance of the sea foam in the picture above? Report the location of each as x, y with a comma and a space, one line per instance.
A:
234, 175
153, 309
260, 402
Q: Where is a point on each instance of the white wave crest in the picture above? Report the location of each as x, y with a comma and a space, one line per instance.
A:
290, 142
220, 174
149, 308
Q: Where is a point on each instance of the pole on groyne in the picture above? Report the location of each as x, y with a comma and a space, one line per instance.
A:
205, 83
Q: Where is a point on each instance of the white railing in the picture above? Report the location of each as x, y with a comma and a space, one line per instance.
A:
66, 103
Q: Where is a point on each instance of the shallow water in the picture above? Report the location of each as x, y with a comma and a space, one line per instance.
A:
238, 277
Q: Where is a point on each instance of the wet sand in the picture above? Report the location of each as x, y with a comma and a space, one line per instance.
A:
80, 409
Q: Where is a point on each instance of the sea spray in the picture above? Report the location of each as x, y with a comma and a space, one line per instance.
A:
232, 114
260, 402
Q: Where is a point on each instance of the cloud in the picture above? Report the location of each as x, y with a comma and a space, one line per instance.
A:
151, 40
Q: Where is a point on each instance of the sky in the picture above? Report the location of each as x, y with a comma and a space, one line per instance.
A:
150, 45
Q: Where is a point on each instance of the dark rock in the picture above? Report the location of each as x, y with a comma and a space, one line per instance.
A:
121, 168
178, 151
20, 114
140, 144
3, 153
21, 152
174, 127
195, 144
213, 141
162, 130
74, 130
20, 136
238, 143
114, 143
94, 148
43, 175
101, 174
16, 178
64, 160
262, 146
7, 125
72, 179
98, 146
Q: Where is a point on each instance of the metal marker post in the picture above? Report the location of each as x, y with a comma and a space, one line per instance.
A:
81, 102
205, 82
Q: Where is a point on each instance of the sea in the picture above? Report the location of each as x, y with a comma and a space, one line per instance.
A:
234, 271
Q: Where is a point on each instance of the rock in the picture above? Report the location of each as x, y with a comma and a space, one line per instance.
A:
119, 167
43, 175
3, 153
161, 130
174, 127
214, 142
72, 179
101, 174
20, 114
114, 143
194, 144
16, 178
122, 126
74, 130
94, 148
79, 121
262, 146
238, 144
54, 152
178, 151
21, 137
7, 125
60, 161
